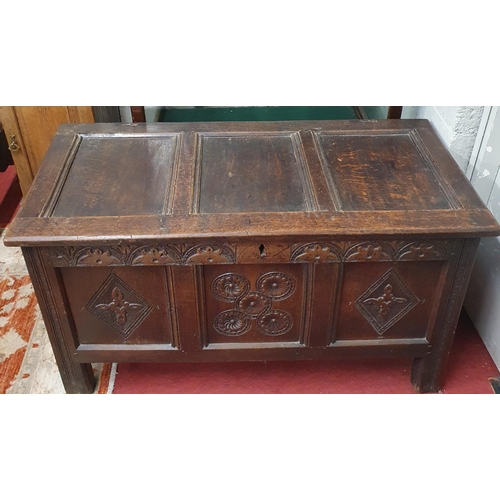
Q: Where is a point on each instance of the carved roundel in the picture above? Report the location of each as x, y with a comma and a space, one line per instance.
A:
277, 286
232, 323
253, 304
274, 322
228, 287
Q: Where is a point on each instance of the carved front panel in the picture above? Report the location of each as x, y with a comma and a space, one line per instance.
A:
384, 300
119, 305
254, 303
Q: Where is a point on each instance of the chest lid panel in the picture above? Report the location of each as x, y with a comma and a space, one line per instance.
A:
118, 175
110, 182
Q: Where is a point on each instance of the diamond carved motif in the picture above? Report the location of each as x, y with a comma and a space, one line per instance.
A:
386, 302
120, 307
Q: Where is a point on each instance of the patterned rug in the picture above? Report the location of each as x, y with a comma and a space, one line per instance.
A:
27, 364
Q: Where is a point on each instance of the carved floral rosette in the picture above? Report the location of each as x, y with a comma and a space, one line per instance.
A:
253, 304
228, 287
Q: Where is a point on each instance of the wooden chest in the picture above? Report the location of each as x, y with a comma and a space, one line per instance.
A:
250, 241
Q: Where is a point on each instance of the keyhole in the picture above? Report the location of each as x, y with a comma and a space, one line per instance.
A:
262, 251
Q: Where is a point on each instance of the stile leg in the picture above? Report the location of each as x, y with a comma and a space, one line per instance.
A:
427, 372
78, 378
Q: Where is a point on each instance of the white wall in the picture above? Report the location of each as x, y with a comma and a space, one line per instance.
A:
482, 301
126, 114
152, 113
457, 127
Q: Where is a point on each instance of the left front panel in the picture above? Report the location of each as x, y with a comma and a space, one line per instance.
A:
119, 305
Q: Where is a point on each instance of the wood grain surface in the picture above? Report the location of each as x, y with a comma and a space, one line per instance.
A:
250, 241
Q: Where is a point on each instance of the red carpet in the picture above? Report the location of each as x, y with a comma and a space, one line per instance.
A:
468, 370
10, 195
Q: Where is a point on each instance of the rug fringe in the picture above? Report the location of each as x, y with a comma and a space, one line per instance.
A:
112, 377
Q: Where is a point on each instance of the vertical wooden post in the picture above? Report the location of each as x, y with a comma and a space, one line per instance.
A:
394, 112
427, 372
78, 378
138, 114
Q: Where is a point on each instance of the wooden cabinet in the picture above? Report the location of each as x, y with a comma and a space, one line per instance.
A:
29, 131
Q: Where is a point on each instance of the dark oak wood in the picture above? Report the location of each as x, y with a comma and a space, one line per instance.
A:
251, 173
93, 188
363, 178
428, 371
246, 241
394, 112
77, 377
138, 113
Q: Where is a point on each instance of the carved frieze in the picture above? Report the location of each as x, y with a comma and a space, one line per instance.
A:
225, 253
316, 252
144, 255
370, 251
209, 254
422, 251
87, 256
151, 255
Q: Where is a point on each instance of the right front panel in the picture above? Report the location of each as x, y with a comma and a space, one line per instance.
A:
385, 300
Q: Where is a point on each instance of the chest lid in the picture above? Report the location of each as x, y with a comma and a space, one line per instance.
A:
247, 179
